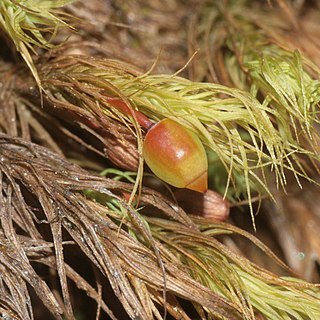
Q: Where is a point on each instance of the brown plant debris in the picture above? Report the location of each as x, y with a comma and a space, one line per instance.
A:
32, 173
44, 209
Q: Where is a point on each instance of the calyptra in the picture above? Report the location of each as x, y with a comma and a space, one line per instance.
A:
176, 155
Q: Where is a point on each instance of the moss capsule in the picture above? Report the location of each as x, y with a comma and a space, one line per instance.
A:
176, 155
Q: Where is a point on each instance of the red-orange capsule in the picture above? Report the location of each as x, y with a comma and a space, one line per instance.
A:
176, 155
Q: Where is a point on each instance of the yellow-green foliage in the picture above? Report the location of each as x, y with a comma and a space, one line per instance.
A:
28, 24
249, 137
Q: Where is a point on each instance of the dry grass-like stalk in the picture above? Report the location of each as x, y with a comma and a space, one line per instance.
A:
45, 209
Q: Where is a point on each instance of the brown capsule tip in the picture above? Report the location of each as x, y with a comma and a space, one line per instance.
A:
210, 205
200, 184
